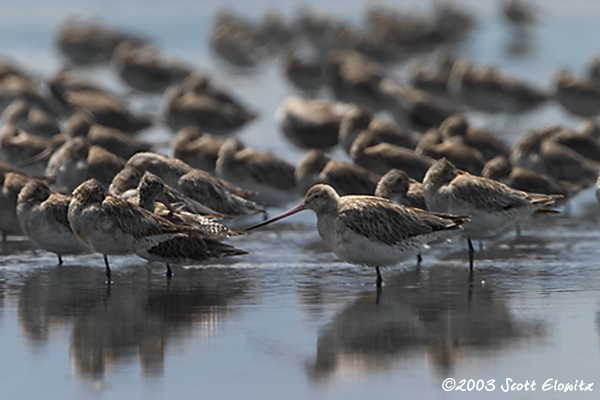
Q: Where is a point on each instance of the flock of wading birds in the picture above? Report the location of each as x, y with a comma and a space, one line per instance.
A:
75, 179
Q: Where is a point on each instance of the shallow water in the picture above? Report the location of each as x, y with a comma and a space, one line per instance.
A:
291, 321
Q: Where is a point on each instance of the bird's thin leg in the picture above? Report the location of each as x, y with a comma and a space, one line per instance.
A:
471, 253
169, 273
107, 269
60, 261
379, 279
470, 291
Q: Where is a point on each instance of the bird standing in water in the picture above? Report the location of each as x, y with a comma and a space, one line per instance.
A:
372, 231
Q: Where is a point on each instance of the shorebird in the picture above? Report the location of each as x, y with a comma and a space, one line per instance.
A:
76, 161
414, 107
486, 89
584, 141
25, 115
432, 145
113, 226
346, 178
492, 206
218, 194
395, 185
433, 76
202, 85
537, 151
145, 70
196, 148
114, 140
14, 86
126, 184
500, 169
18, 146
372, 231
577, 97
455, 129
354, 78
234, 40
153, 195
381, 157
359, 121
305, 74
42, 215
271, 177
89, 43
311, 123
102, 107
12, 182
184, 108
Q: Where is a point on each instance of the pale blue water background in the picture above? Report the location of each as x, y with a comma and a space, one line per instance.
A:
290, 321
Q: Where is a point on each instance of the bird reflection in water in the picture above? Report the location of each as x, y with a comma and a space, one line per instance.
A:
438, 311
141, 317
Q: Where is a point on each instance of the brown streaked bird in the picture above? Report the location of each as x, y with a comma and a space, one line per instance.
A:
397, 186
167, 168
13, 87
465, 157
102, 107
354, 78
17, 147
359, 120
536, 151
455, 129
486, 89
12, 183
381, 157
85, 43
202, 85
372, 231
202, 186
114, 140
500, 169
184, 108
311, 123
42, 215
492, 206
577, 97
76, 161
126, 185
113, 226
234, 40
304, 73
196, 148
154, 196
25, 115
584, 142
413, 107
346, 178
271, 177
433, 76
145, 70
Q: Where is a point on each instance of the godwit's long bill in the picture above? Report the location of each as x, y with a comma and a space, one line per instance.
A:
369, 230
